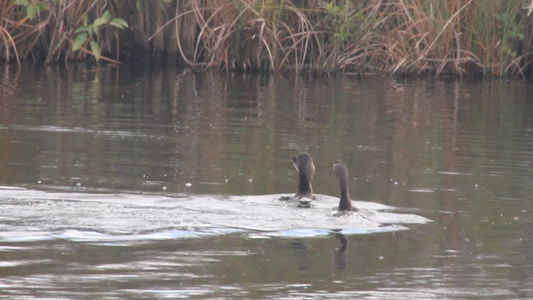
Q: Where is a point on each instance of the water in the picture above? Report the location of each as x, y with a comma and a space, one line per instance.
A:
161, 183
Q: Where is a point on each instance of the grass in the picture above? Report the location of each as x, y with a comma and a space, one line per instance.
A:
411, 37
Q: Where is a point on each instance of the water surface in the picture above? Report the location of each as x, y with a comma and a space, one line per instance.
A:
163, 183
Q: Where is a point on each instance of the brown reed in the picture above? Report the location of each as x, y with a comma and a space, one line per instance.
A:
411, 37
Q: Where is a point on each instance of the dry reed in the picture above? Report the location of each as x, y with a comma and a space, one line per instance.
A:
454, 37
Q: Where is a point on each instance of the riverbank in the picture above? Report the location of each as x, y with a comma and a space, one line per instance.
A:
397, 37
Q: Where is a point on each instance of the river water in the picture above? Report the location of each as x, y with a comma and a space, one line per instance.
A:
146, 183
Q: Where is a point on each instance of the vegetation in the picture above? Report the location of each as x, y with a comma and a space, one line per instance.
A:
452, 37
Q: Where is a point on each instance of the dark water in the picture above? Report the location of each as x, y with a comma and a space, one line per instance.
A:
137, 183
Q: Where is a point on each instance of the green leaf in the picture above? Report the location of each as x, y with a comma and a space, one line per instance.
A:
43, 6
107, 16
117, 22
96, 49
22, 2
97, 24
85, 20
113, 23
79, 40
81, 29
140, 6
31, 10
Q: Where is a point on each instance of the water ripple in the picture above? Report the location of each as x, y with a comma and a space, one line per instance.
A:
34, 215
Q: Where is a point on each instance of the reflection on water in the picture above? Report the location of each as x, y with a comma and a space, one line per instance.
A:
152, 183
340, 253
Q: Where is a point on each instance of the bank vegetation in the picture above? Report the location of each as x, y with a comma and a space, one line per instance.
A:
411, 37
